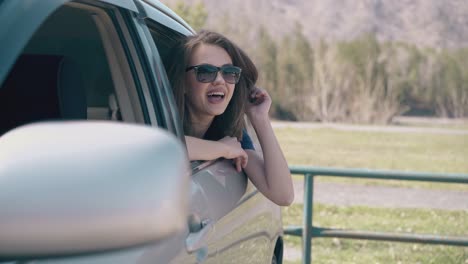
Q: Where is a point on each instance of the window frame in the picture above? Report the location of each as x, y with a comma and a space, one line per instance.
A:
132, 61
119, 63
154, 73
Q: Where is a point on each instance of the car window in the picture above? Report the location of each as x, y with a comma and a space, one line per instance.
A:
164, 38
72, 68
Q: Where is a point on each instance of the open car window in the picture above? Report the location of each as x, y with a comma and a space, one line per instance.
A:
72, 68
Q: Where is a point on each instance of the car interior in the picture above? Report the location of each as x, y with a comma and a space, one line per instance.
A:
66, 72
41, 87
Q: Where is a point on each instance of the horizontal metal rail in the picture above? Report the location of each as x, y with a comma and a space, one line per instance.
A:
308, 231
396, 237
381, 174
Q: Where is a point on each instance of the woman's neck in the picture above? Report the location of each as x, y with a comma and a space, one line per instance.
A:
200, 126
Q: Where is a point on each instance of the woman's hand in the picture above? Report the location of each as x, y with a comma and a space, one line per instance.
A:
235, 152
259, 103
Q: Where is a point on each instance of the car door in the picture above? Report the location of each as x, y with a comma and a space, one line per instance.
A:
251, 230
239, 222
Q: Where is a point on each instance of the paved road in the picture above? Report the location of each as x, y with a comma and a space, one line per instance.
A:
345, 194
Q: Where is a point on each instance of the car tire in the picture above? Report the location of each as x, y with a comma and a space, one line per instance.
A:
274, 259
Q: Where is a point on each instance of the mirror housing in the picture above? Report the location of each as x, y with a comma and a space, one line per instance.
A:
80, 187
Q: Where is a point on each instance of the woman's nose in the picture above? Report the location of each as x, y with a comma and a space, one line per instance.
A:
219, 78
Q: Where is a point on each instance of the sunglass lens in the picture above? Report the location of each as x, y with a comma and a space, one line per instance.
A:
231, 74
206, 73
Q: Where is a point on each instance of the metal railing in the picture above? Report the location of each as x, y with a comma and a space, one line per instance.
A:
308, 231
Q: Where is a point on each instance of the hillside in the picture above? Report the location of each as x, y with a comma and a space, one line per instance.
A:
434, 23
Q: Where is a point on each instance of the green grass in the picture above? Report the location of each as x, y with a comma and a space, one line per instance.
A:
333, 250
423, 152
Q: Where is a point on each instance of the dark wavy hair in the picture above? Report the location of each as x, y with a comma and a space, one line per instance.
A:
231, 122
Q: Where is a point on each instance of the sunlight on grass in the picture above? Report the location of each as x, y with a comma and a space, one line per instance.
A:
326, 147
377, 150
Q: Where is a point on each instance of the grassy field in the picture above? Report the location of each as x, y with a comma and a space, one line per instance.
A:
424, 152
328, 250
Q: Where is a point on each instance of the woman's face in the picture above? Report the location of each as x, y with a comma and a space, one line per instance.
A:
207, 100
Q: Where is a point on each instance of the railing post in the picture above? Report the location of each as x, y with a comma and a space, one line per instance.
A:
308, 209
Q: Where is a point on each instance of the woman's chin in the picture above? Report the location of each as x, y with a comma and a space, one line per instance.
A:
218, 110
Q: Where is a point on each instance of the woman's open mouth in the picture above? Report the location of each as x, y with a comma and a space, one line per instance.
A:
215, 97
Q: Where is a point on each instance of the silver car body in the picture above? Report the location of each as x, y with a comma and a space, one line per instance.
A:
118, 45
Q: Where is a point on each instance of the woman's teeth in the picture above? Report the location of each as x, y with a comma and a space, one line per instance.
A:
217, 94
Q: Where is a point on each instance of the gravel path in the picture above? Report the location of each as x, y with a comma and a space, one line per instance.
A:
390, 128
383, 196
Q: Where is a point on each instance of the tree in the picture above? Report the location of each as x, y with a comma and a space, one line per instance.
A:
303, 58
196, 14
295, 68
266, 56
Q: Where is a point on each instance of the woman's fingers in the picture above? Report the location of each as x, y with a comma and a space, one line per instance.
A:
236, 152
240, 162
238, 165
245, 161
258, 96
257, 99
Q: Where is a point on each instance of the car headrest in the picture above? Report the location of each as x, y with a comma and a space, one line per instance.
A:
41, 87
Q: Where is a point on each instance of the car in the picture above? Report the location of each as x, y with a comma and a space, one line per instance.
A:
93, 166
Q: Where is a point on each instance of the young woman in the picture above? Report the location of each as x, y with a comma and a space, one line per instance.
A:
214, 86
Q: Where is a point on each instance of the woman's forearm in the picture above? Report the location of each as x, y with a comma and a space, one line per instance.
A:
276, 174
200, 149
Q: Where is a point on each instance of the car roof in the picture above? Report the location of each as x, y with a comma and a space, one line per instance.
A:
167, 11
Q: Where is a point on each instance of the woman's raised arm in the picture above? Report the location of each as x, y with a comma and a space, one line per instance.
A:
270, 174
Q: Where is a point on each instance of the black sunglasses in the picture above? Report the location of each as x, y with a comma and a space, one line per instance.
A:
207, 73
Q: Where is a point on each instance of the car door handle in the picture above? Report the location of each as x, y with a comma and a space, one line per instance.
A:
197, 240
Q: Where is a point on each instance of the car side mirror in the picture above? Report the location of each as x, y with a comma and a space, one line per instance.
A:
77, 187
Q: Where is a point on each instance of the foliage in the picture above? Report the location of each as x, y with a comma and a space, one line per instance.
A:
362, 80
267, 56
295, 68
196, 14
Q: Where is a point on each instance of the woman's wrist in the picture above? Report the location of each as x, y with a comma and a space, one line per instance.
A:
223, 149
259, 119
